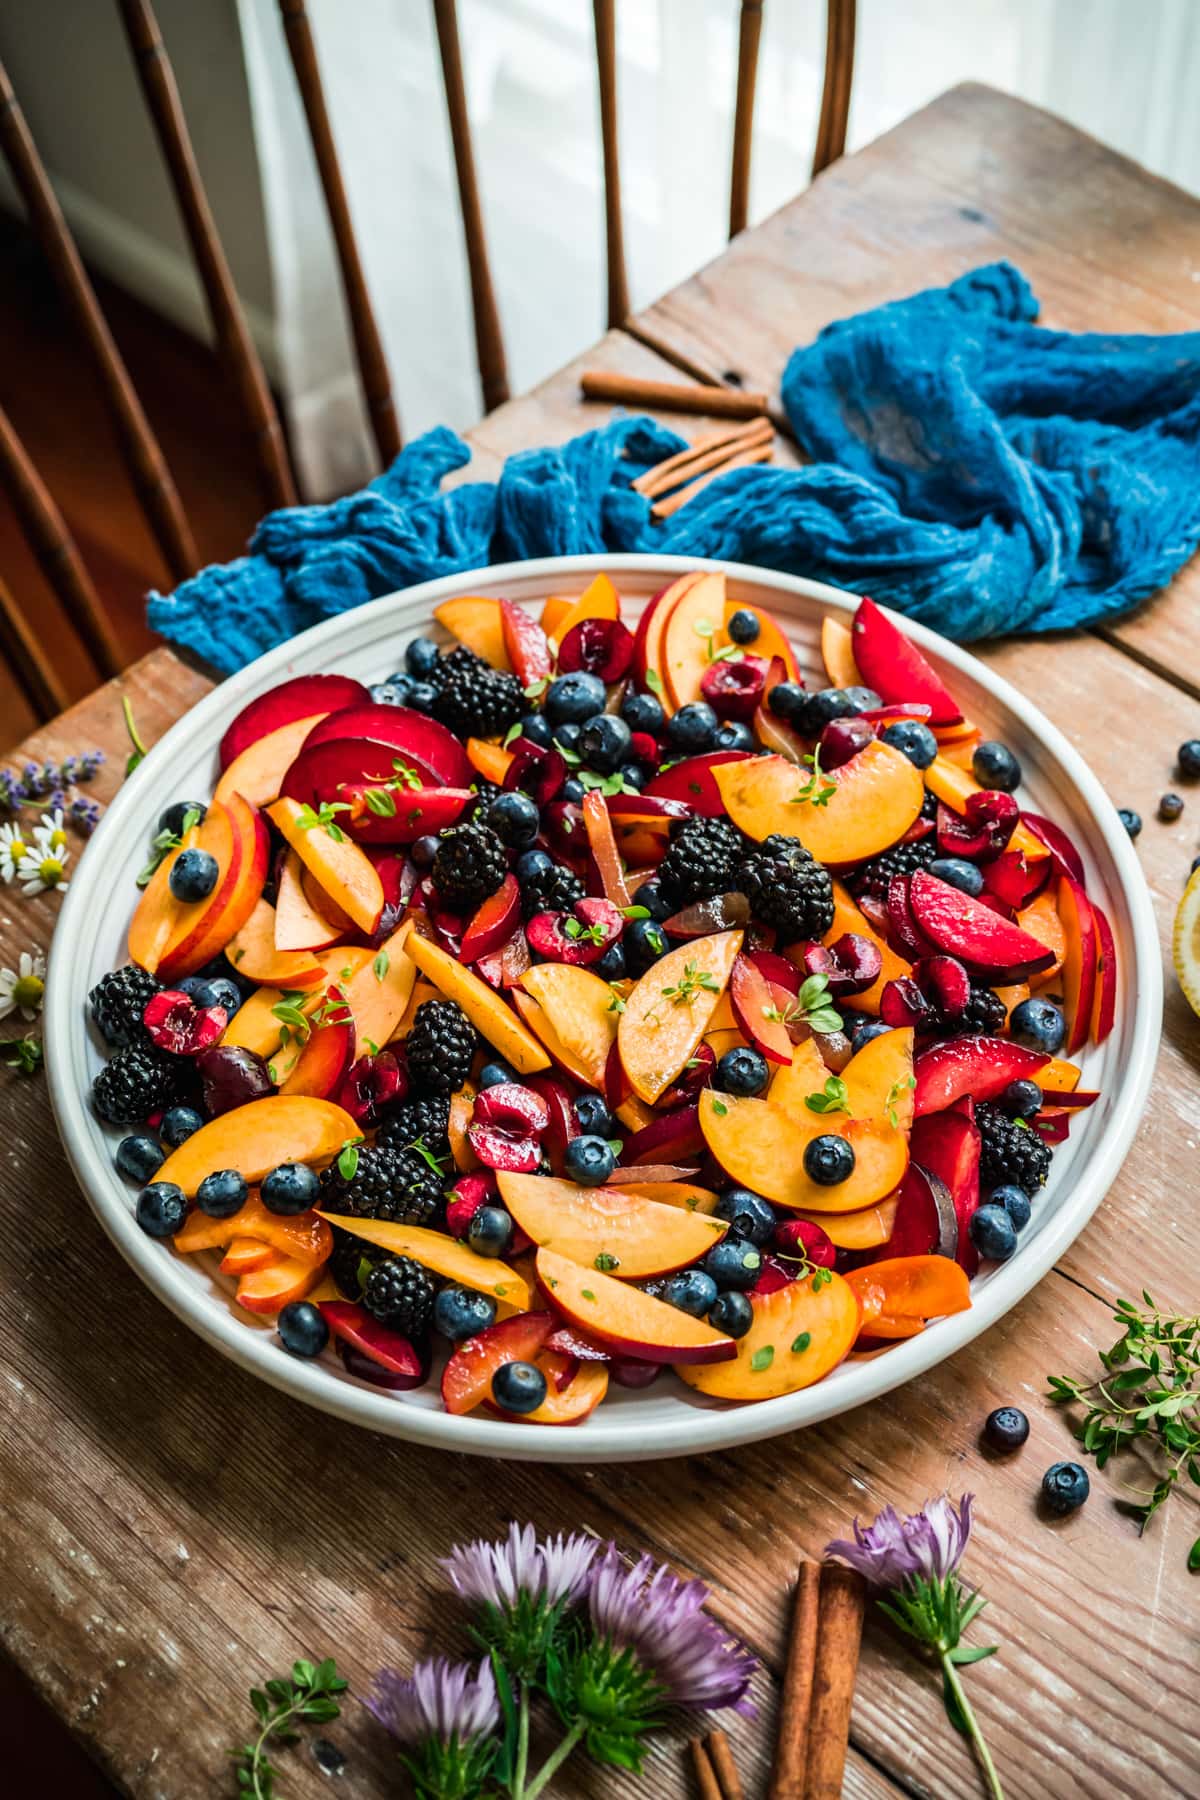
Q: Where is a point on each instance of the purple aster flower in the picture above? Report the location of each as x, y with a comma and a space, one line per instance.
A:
84, 813
661, 1619
927, 1545
499, 1574
450, 1702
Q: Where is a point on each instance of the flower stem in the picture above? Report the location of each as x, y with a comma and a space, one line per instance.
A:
521, 1771
555, 1761
954, 1683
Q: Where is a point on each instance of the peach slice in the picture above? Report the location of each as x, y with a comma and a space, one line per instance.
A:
800, 1332
201, 930
443, 1255
955, 785
626, 1319
345, 872
325, 1060
670, 1193
244, 1255
848, 917
599, 600
257, 1026
1040, 919
1104, 1007
492, 761
837, 653
1080, 962
256, 1138
1058, 1076
303, 1236
608, 1228
759, 1012
879, 1079
760, 1146
864, 1230
300, 921
259, 770
422, 991
469, 1373
475, 622
489, 1014
671, 1008
806, 1074
911, 1287
572, 1404
769, 643
696, 619
554, 610
378, 991
154, 915
876, 797
254, 954
579, 1008
276, 1285
651, 630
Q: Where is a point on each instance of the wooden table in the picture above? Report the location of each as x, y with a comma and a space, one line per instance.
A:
174, 1530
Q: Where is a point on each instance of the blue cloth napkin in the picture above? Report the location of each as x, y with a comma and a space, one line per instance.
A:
967, 467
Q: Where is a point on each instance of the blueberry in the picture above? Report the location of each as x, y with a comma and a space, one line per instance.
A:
493, 1073
139, 1158
589, 1160
290, 1188
642, 712
178, 1124
222, 990
1170, 807
193, 875
514, 818
993, 1233
161, 1209
573, 789
692, 1291
862, 699
912, 739
743, 626
421, 658
821, 709
1189, 758
651, 896
863, 1030
1065, 1487
422, 696
391, 693
1005, 1429
489, 1232
733, 1263
533, 862
592, 1115
747, 1214
536, 730
644, 941
194, 986
1015, 1202
634, 775
423, 850
459, 1312
1022, 1100
302, 1330
693, 728
604, 742
828, 1160
731, 1313
787, 700
958, 873
573, 698
1037, 1025
221, 1194
172, 819
742, 1071
518, 1387
566, 736
1132, 821
734, 734
611, 966
995, 766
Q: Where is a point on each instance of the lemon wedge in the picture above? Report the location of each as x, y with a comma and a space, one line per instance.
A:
1186, 942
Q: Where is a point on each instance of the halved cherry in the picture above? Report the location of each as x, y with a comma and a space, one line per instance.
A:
509, 1122
723, 912
735, 688
603, 647
851, 964
696, 1075
773, 1275
468, 1194
563, 1125
537, 771
1014, 880
936, 993
580, 937
177, 1024
373, 1083
841, 741
562, 821
804, 1239
504, 968
982, 830
643, 748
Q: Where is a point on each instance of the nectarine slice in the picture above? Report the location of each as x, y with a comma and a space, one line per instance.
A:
258, 771
607, 1228
847, 916
760, 1146
154, 916
579, 1008
671, 1008
876, 796
301, 922
879, 1079
546, 1035
626, 1319
245, 1255
599, 600
1079, 963
475, 621
800, 1332
1040, 919
378, 991
1104, 1007
489, 1014
344, 870
769, 643
326, 1058
302, 697
696, 620
304, 1236
253, 954
955, 785
572, 1404
806, 1074
648, 638
277, 1284
670, 1193
911, 1287
864, 1230
893, 665
256, 1138
492, 761
444, 1255
837, 653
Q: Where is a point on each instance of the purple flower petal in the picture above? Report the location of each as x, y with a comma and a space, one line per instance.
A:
497, 1574
650, 1611
440, 1699
891, 1551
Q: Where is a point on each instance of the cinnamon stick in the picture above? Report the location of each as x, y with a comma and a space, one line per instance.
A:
839, 1634
795, 1704
706, 1779
671, 396
721, 1757
757, 453
715, 447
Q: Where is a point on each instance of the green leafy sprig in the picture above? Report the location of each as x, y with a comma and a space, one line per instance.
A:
833, 1097
139, 749
24, 1054
817, 790
812, 1007
163, 842
279, 1706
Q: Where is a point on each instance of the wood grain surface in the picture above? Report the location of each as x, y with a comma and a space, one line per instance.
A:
174, 1530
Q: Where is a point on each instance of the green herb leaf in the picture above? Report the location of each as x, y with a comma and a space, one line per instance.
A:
381, 965
380, 801
605, 1263
512, 734
720, 1108
347, 1162
636, 912
654, 681
800, 1344
536, 688
139, 749
762, 1358
833, 1097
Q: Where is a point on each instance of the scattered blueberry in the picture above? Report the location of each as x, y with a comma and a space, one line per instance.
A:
1189, 758
139, 1158
692, 1291
993, 1233
747, 1214
515, 819
958, 873
912, 739
573, 698
193, 875
1005, 1429
290, 1188
645, 941
1022, 1100
733, 1263
863, 1030
493, 1073
573, 790
566, 735
1132, 821
422, 658
589, 1160
178, 1124
423, 850
533, 862
1065, 1487
822, 708
693, 728
828, 1159
422, 696
651, 896
634, 775
862, 699
172, 819
742, 1071
161, 1209
642, 712
743, 626
518, 1387
1170, 807
995, 766
221, 990
611, 966
535, 729
592, 1115
302, 1330
1037, 1025
734, 734
221, 1194
489, 1232
604, 742
394, 692
1015, 1202
459, 1312
732, 1313
787, 700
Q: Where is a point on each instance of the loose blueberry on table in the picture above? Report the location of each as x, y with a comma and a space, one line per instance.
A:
594, 994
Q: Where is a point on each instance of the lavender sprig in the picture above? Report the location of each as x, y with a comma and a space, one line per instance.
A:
46, 785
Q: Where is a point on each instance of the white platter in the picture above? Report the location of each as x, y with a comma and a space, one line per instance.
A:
667, 1419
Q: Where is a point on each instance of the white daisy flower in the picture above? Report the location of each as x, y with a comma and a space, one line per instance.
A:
15, 848
51, 834
22, 988
42, 870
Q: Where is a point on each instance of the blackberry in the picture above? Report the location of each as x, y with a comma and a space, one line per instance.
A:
440, 1047
983, 1015
702, 860
426, 1118
138, 1081
485, 792
400, 1294
787, 887
555, 889
873, 876
475, 700
118, 1001
346, 1261
469, 866
1011, 1152
386, 1184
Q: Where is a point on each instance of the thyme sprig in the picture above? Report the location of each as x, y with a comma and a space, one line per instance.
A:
279, 1706
817, 790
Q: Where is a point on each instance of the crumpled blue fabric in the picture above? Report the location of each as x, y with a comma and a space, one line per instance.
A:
967, 467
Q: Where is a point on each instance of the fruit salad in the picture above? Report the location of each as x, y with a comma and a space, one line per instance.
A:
594, 1002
